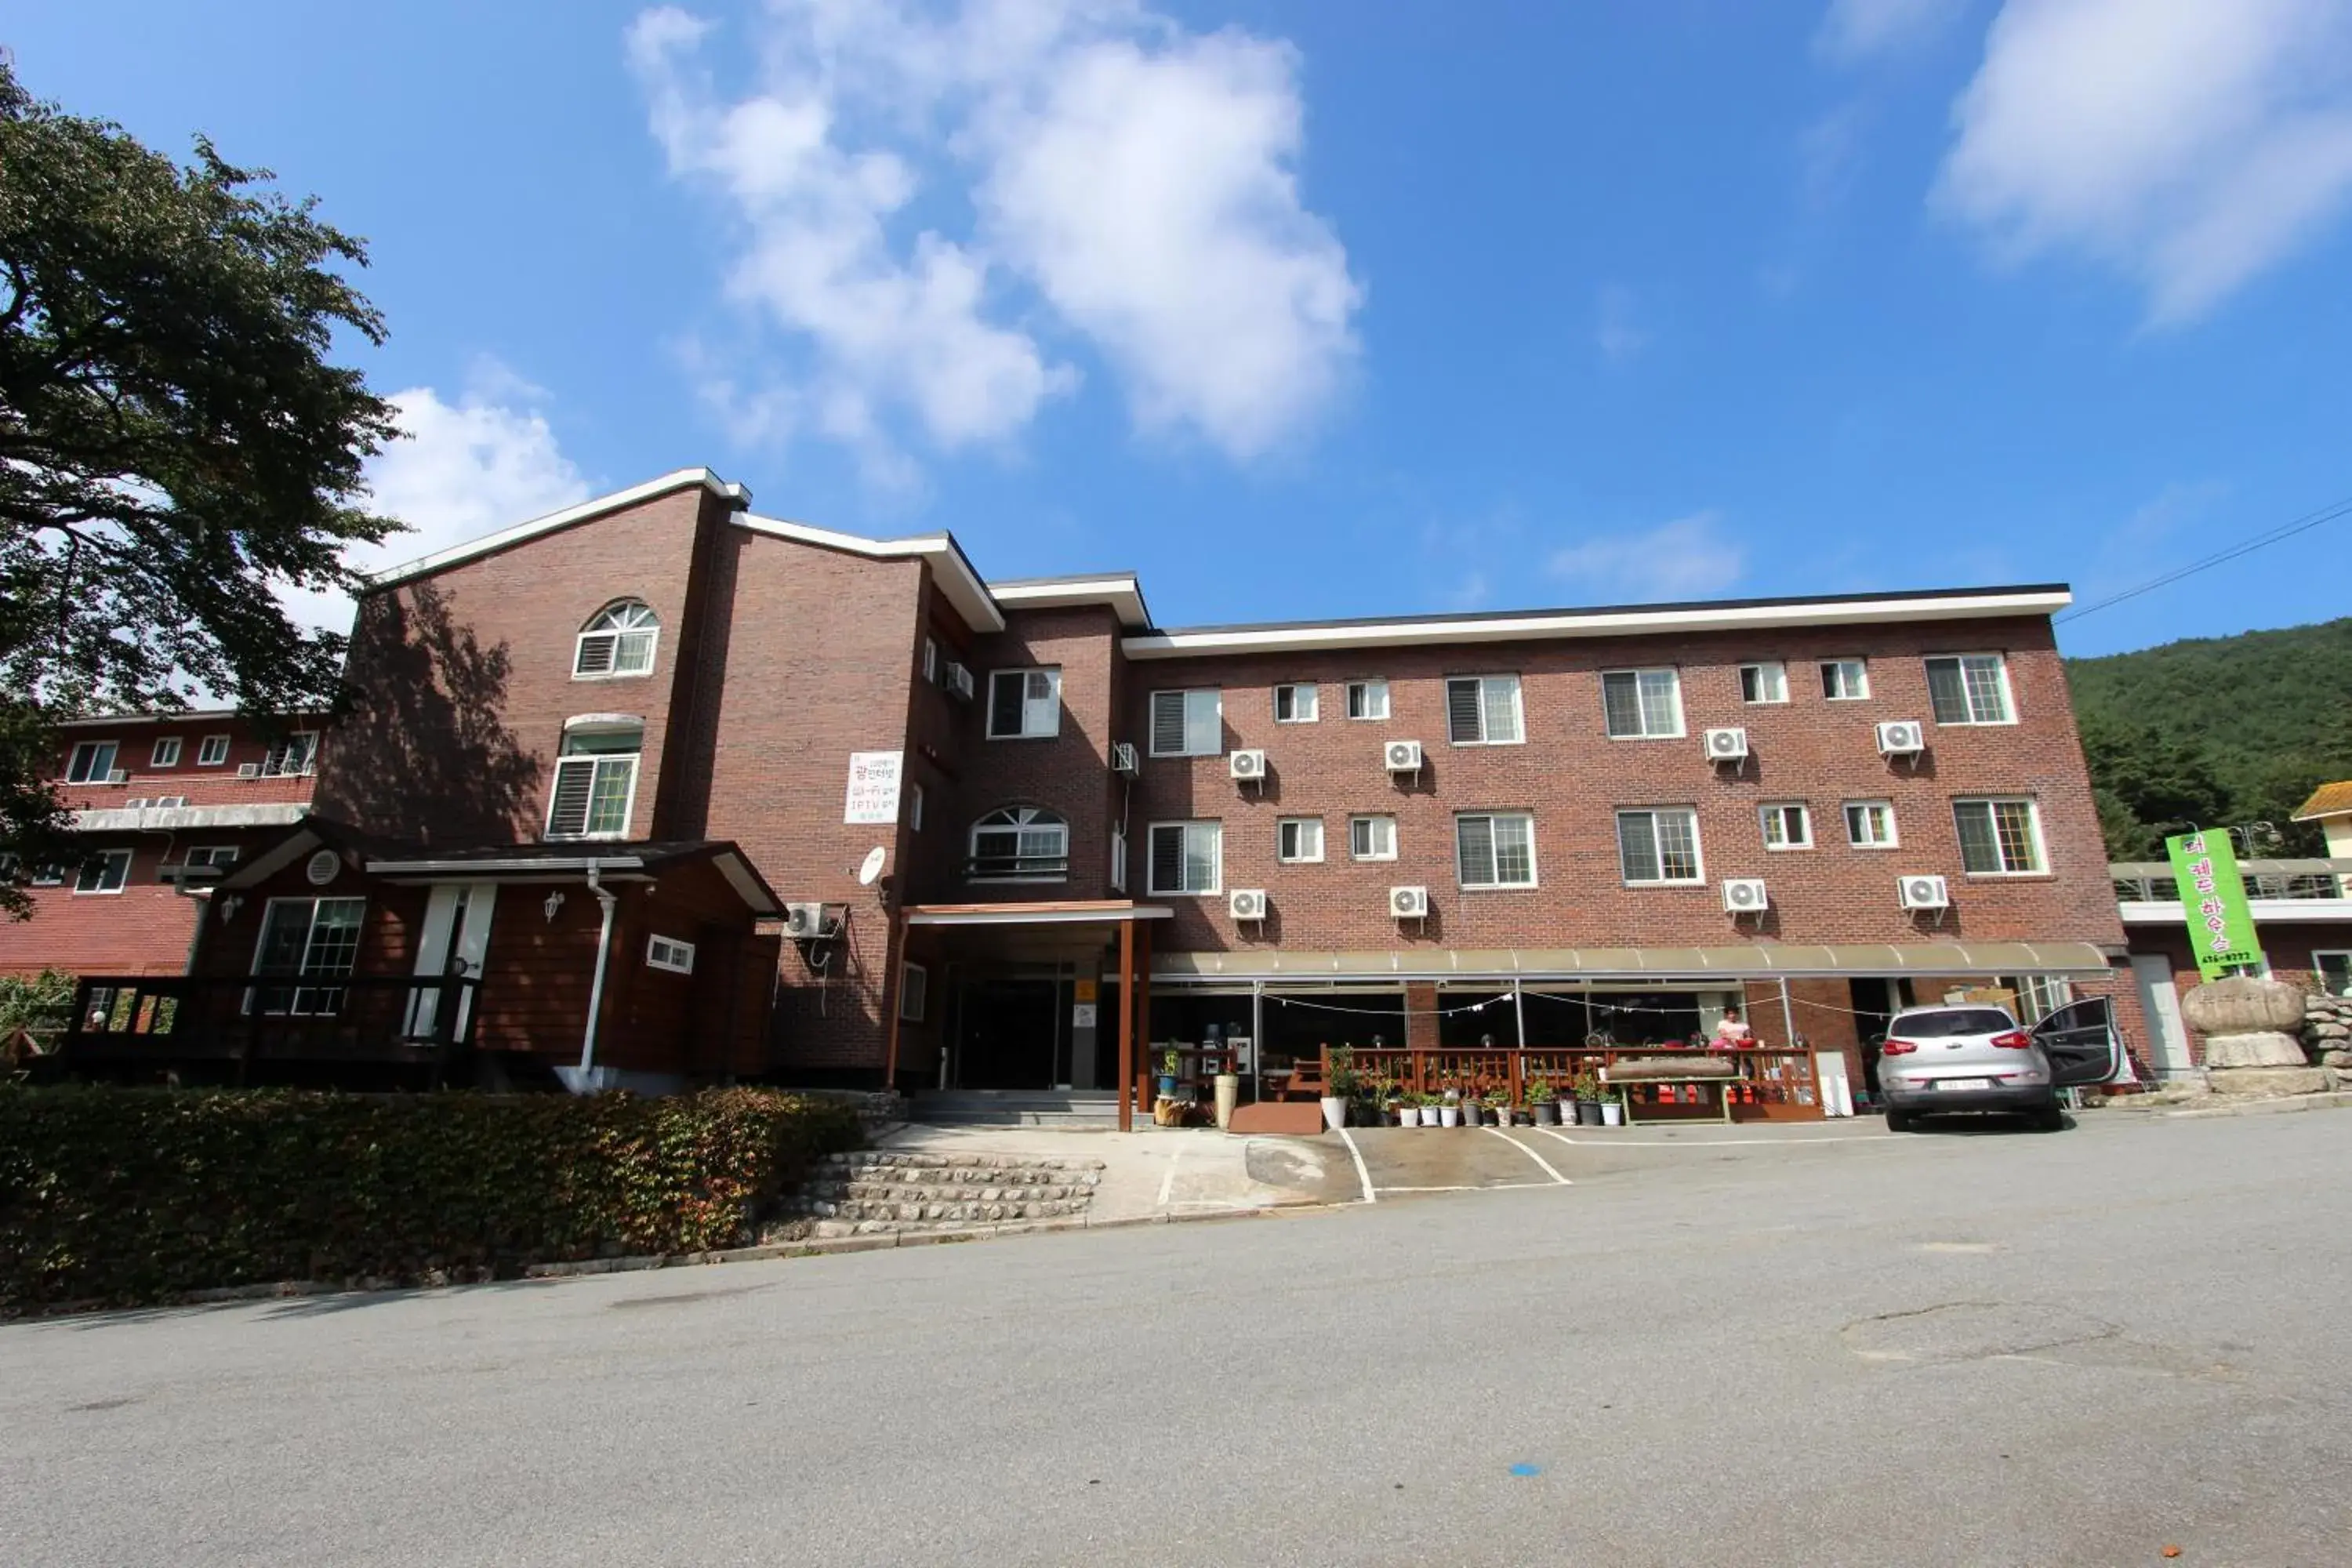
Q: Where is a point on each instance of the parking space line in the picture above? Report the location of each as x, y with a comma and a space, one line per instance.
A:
1362, 1174
1474, 1187
1530, 1153
1562, 1136
1167, 1182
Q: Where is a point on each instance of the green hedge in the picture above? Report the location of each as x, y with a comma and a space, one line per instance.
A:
112, 1197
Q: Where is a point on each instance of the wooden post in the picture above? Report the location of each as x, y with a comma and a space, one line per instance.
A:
1125, 1025
1143, 1014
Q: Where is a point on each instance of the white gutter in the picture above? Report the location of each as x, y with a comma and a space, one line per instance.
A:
611, 901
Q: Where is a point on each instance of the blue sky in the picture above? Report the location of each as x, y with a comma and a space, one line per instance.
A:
1334, 308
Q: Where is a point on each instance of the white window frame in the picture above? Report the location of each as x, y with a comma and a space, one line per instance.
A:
914, 991
1283, 829
1698, 853
597, 762
1893, 839
108, 858
165, 753
1305, 702
1370, 694
1041, 716
1119, 860
79, 761
1960, 661
1493, 819
2319, 971
1213, 830
279, 763
1777, 811
1758, 666
1643, 678
668, 953
649, 627
210, 855
1488, 686
1862, 678
211, 752
46, 877
325, 990
1372, 819
1194, 700
931, 661
1026, 818
2040, 867
914, 807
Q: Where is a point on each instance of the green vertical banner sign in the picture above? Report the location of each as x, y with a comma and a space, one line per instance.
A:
2213, 897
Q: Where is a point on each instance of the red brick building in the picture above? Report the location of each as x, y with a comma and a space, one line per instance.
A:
1535, 825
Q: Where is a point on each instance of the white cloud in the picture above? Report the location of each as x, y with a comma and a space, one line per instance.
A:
1687, 558
464, 469
2189, 143
1853, 30
1126, 179
1614, 331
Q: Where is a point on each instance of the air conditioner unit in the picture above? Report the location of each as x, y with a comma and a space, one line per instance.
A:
249, 770
1924, 893
1401, 756
1247, 764
959, 680
1727, 745
804, 921
1745, 895
1409, 903
117, 776
1246, 903
1122, 758
1902, 737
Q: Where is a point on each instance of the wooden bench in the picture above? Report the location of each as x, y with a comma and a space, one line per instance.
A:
1723, 1083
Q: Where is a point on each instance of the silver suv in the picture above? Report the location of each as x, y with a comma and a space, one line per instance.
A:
1970, 1057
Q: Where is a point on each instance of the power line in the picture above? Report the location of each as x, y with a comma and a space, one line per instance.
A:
2285, 530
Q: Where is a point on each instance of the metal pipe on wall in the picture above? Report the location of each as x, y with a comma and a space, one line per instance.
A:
611, 901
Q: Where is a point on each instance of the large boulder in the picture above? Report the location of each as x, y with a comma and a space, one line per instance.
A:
2272, 1083
2243, 1006
2263, 1049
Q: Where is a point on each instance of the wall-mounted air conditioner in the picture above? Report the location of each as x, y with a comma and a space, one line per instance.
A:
249, 770
1902, 737
1728, 745
958, 681
805, 921
1123, 758
1400, 756
1409, 903
1248, 766
1924, 892
1745, 895
1246, 903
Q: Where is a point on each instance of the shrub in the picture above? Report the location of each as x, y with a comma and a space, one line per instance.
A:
112, 1196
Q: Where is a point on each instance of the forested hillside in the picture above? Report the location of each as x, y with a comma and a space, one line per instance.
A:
2218, 731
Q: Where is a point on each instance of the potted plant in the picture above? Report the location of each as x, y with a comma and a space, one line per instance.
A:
1541, 1109
1588, 1099
1171, 1064
1498, 1106
1449, 1108
1340, 1088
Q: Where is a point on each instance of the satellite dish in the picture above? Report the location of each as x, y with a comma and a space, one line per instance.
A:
872, 867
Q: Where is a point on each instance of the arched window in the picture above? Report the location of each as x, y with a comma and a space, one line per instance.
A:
618, 641
1020, 842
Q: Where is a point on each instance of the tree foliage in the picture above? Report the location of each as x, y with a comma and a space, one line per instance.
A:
175, 445
2220, 731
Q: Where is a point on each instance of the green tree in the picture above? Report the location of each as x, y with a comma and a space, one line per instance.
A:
175, 444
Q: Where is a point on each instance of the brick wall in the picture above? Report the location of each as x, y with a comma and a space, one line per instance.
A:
1069, 773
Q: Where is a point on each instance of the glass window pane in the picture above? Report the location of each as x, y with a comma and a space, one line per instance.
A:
1946, 693
1203, 723
1474, 841
1979, 850
1659, 707
1988, 693
1502, 707
1201, 845
2013, 829
1678, 846
1167, 723
1637, 845
1621, 704
608, 799
1462, 712
1515, 854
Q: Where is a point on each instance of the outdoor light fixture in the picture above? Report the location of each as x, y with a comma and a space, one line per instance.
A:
555, 904
230, 905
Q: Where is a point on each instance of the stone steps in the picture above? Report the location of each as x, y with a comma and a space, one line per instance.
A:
870, 1191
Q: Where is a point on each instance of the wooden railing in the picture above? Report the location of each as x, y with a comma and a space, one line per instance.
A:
1766, 1085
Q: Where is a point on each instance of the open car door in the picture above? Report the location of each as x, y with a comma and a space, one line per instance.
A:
2081, 1042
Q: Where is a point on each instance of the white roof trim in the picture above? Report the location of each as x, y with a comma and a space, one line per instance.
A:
956, 580
1308, 636
678, 478
605, 722
1119, 590
2265, 911
181, 818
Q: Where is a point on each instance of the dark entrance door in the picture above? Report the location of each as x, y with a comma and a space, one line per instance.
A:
1008, 1034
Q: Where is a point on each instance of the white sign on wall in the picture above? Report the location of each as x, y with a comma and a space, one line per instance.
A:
873, 787
1082, 1015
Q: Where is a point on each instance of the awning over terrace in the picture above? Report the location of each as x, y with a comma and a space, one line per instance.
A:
1758, 960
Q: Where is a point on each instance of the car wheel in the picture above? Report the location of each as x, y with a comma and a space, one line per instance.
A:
2050, 1118
1901, 1122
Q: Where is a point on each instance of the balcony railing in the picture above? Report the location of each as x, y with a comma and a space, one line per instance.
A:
2151, 882
131, 1020
1017, 868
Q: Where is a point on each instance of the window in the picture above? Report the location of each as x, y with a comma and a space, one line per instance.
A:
2039, 995
1788, 826
166, 753
48, 877
1298, 840
1368, 700
1188, 723
1844, 679
1641, 704
668, 953
1187, 856
1764, 682
298, 753
1296, 703
1372, 838
211, 752
914, 991
1998, 837
1482, 710
1024, 704
1020, 842
915, 808
1870, 823
931, 661
212, 854
1969, 688
91, 763
1118, 860
104, 872
1496, 851
311, 939
595, 783
619, 640
1658, 846
2333, 972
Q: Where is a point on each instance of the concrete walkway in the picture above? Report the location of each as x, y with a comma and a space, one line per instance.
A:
1163, 1173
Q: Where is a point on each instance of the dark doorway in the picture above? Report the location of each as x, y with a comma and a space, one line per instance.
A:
1007, 1034
1875, 1002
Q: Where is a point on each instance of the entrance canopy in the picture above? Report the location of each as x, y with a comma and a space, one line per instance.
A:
1757, 960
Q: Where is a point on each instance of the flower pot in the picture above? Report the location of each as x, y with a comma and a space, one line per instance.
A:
1546, 1112
1587, 1113
1167, 1086
1449, 1116
1408, 1116
1613, 1114
1335, 1112
1567, 1109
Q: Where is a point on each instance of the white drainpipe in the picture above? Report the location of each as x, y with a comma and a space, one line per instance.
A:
605, 897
